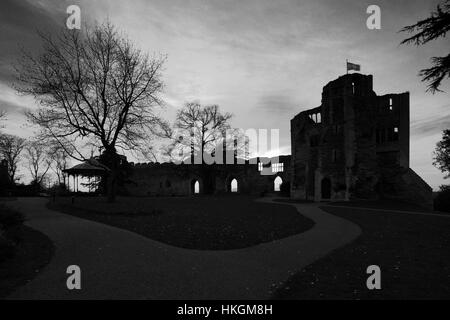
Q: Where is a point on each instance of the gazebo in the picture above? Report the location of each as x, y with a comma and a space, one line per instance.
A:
88, 168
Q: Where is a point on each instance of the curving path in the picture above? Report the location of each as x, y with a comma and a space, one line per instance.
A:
118, 264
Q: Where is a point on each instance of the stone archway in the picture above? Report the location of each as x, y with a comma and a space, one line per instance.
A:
234, 186
196, 186
277, 183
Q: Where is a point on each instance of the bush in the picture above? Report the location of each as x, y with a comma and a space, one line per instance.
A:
442, 200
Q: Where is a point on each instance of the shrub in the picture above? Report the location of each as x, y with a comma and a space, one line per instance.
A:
442, 200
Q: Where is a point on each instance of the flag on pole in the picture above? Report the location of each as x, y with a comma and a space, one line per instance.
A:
353, 66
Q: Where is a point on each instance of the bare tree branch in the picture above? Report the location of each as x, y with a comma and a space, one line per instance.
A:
94, 87
11, 148
38, 162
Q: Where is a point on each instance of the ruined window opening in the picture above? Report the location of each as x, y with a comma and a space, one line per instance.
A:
395, 135
196, 187
260, 166
353, 88
234, 185
316, 117
277, 167
334, 155
390, 104
277, 184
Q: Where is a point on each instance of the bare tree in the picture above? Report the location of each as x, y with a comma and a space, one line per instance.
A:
426, 30
59, 160
38, 162
197, 130
11, 147
95, 88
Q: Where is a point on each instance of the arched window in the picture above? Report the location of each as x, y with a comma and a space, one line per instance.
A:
234, 185
277, 183
196, 187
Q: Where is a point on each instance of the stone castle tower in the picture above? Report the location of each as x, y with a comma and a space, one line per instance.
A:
355, 145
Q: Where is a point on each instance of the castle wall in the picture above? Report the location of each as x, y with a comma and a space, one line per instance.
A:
169, 179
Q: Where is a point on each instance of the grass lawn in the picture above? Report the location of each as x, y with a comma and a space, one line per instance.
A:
413, 252
204, 223
384, 204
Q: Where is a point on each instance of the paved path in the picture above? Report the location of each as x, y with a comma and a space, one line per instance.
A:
118, 264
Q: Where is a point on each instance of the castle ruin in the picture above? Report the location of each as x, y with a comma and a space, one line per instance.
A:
355, 145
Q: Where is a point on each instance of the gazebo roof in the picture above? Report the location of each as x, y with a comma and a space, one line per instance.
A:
90, 167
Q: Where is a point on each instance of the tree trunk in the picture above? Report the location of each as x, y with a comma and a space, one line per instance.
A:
111, 186
111, 160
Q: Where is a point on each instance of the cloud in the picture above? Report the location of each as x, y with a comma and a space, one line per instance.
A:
277, 104
11, 107
19, 22
430, 125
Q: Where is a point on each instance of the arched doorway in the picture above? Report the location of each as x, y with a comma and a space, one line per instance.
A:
326, 188
277, 184
195, 186
234, 186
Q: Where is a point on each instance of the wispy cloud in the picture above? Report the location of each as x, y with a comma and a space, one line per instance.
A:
277, 105
431, 125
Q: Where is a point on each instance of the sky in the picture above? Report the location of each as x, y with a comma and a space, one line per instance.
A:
262, 60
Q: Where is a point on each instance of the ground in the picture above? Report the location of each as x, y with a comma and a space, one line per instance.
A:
327, 261
119, 264
33, 250
203, 223
412, 251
